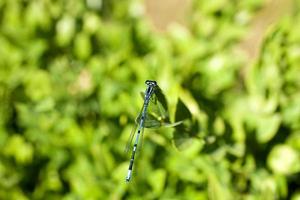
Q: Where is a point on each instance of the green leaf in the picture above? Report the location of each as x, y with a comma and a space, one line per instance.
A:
19, 149
65, 30
82, 46
267, 127
157, 181
182, 112
283, 159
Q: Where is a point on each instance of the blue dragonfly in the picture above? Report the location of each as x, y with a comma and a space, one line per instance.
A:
153, 115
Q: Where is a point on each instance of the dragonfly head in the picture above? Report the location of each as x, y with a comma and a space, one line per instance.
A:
150, 83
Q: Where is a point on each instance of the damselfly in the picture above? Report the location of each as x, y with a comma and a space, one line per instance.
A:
153, 115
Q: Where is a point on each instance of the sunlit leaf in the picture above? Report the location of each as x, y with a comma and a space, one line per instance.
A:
267, 128
284, 160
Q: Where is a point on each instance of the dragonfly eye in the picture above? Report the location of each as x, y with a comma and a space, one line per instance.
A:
151, 83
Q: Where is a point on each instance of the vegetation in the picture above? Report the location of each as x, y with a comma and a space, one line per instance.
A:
70, 77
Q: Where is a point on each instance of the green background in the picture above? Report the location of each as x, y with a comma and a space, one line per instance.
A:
71, 73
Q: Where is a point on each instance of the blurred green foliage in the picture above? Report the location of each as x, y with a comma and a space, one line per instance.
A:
70, 77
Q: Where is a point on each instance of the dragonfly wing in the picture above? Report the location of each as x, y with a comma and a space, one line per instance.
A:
157, 112
158, 105
150, 121
161, 98
157, 109
142, 95
140, 142
129, 142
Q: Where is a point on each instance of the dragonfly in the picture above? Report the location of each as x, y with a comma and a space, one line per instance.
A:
153, 115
